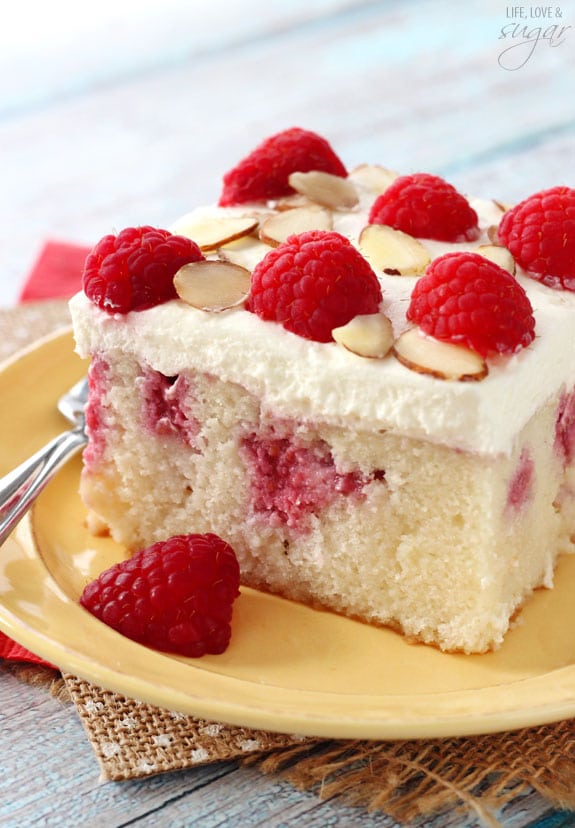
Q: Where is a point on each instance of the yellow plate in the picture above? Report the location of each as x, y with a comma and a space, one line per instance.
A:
289, 668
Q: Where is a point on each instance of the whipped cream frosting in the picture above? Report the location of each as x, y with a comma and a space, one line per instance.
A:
298, 378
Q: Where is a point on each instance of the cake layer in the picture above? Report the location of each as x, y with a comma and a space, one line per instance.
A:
442, 545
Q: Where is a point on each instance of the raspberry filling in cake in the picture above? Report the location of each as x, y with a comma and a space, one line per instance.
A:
164, 409
565, 427
289, 480
520, 491
362, 382
95, 412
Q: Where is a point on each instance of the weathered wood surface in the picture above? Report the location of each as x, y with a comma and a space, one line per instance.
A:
130, 114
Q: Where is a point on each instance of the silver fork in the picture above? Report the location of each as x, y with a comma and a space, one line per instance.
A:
20, 487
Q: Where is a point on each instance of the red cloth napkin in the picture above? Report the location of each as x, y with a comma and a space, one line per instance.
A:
12, 651
56, 274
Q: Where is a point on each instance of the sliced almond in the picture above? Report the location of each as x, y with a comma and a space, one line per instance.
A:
246, 252
373, 177
212, 285
504, 206
439, 359
368, 335
209, 233
276, 229
393, 251
498, 254
492, 233
331, 191
291, 201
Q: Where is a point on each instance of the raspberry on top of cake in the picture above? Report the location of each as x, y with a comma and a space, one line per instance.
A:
295, 253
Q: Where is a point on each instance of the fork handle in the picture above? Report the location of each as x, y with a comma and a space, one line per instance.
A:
20, 487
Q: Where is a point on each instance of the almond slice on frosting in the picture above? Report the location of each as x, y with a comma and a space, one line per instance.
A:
211, 232
276, 229
212, 285
326, 189
373, 177
492, 233
393, 251
367, 335
504, 206
291, 201
442, 360
246, 252
498, 254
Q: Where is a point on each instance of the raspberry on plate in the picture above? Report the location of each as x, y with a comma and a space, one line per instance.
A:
427, 207
312, 283
175, 596
465, 299
264, 173
135, 269
540, 233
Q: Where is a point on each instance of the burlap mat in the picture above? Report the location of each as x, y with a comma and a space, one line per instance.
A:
409, 780
133, 739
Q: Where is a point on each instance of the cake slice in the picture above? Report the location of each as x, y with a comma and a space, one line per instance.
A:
381, 422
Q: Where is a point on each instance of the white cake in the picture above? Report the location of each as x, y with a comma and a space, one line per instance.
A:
401, 497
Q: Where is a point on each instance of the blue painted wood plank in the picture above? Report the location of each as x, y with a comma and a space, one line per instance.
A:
554, 819
58, 51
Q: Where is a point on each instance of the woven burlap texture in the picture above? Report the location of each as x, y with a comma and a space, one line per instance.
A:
21, 326
132, 739
409, 780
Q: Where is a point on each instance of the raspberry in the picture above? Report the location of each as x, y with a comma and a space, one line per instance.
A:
135, 269
468, 300
175, 596
427, 207
540, 233
314, 282
264, 173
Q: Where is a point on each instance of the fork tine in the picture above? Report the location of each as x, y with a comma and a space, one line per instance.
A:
72, 404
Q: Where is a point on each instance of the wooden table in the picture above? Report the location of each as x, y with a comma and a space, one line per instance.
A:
50, 777
130, 115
